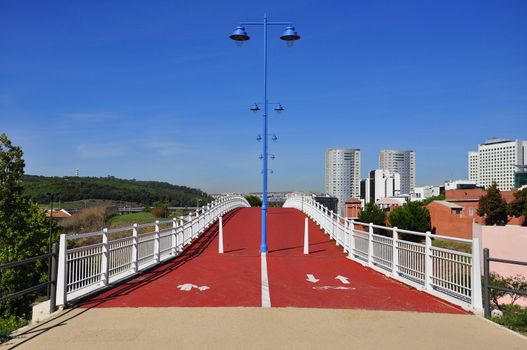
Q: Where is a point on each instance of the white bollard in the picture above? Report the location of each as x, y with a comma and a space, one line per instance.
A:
220, 238
306, 238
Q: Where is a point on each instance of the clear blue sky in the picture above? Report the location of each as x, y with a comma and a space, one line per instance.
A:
156, 90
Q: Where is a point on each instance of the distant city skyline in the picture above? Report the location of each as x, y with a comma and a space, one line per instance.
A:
158, 91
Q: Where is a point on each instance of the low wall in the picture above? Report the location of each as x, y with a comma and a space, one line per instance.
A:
505, 242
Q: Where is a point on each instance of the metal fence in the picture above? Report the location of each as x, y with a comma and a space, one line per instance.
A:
51, 283
120, 253
487, 287
452, 275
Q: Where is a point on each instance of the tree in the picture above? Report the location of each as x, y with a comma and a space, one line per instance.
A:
518, 206
254, 201
372, 213
411, 216
492, 206
24, 232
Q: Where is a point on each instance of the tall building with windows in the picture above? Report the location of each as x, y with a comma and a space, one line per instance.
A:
380, 184
401, 162
497, 160
342, 174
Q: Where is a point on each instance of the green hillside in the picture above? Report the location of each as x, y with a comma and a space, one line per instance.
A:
72, 188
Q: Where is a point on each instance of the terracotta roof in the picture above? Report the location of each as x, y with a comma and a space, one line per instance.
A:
58, 213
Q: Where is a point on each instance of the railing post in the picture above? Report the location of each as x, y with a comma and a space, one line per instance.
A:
181, 240
395, 253
220, 235
135, 249
53, 289
306, 236
105, 261
191, 228
156, 243
370, 244
476, 275
428, 261
62, 278
174, 240
486, 282
352, 241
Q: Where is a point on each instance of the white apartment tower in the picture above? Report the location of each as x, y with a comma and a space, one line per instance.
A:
496, 160
343, 174
381, 184
402, 162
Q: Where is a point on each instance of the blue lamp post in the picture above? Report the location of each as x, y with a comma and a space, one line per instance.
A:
289, 36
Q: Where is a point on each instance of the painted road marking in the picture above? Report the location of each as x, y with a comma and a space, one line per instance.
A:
188, 287
332, 287
311, 278
342, 279
266, 297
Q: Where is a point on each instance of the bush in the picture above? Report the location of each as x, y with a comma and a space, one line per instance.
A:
514, 317
160, 212
254, 201
411, 216
86, 220
8, 325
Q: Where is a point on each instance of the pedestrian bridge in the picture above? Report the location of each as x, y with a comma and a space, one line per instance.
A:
348, 265
122, 282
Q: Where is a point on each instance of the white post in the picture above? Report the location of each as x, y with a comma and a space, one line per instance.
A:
135, 251
352, 241
306, 237
395, 253
181, 240
428, 261
62, 275
220, 236
190, 226
370, 244
476, 297
105, 261
156, 243
174, 239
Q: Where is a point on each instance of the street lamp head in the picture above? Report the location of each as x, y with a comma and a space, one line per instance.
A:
255, 108
279, 108
239, 35
290, 36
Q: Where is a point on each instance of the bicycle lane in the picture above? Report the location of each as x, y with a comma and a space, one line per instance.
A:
326, 279
200, 277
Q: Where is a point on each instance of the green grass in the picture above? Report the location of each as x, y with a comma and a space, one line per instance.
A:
9, 325
130, 219
457, 246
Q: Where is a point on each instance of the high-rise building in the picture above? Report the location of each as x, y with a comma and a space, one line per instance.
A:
497, 160
342, 174
380, 184
401, 162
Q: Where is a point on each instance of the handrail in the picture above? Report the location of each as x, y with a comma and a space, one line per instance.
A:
52, 280
88, 269
448, 274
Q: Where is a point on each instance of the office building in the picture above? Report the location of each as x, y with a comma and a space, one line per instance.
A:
401, 162
342, 174
380, 184
497, 160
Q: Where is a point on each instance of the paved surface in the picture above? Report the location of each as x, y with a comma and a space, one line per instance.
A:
258, 328
234, 278
151, 312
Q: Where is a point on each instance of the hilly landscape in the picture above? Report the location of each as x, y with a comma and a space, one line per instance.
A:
147, 193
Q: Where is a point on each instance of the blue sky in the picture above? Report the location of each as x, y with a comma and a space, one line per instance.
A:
156, 90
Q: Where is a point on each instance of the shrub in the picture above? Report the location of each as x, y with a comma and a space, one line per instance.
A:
86, 220
8, 325
254, 201
160, 212
514, 317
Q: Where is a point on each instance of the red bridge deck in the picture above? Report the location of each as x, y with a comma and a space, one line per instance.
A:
322, 279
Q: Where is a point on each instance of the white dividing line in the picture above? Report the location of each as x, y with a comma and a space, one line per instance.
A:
266, 297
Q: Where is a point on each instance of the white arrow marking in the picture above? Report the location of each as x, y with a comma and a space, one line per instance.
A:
342, 279
331, 287
311, 278
188, 287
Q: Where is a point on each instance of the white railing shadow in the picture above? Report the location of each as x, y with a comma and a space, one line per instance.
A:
451, 275
105, 261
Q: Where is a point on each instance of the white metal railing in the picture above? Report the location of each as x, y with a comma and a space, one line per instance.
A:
448, 274
92, 267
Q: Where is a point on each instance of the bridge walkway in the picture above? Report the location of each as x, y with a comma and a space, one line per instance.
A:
323, 279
